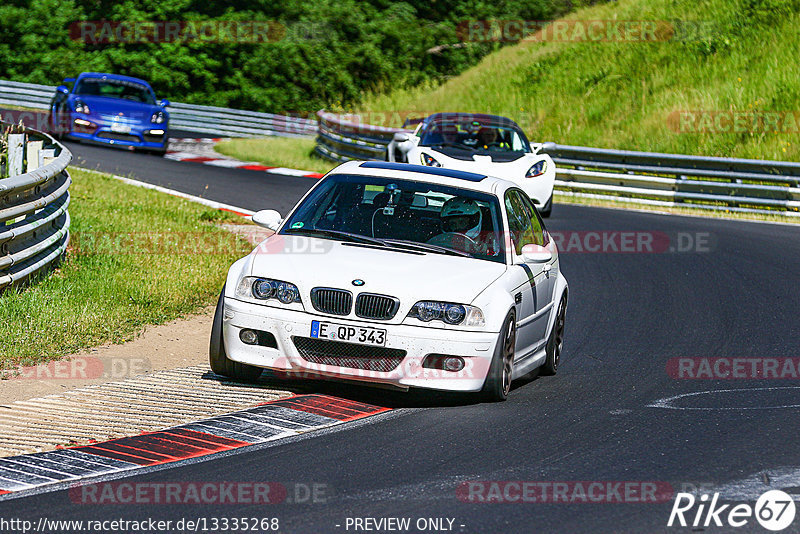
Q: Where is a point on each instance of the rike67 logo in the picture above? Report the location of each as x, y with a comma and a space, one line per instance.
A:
774, 510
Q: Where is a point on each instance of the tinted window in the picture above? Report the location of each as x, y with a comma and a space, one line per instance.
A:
524, 225
405, 210
115, 89
474, 136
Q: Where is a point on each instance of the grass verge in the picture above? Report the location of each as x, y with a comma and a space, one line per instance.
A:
738, 60
137, 257
291, 152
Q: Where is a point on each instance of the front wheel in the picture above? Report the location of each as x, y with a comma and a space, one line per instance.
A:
547, 209
218, 359
555, 343
498, 379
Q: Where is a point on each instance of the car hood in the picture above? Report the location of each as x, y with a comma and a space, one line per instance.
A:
485, 164
100, 105
311, 262
470, 156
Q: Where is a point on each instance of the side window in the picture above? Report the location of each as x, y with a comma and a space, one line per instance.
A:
536, 222
519, 221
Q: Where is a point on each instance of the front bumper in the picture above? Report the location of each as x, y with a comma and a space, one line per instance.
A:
476, 348
139, 136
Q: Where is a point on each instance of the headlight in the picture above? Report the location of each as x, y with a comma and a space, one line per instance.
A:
429, 161
158, 117
429, 310
80, 107
266, 288
538, 169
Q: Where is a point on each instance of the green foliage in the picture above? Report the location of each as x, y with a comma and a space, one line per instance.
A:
725, 57
120, 274
329, 54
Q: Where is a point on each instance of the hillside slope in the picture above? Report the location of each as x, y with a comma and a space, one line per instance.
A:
723, 80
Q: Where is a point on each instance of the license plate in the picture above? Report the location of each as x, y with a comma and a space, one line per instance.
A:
120, 128
352, 334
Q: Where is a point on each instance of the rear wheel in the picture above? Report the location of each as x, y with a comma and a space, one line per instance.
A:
218, 359
498, 379
555, 343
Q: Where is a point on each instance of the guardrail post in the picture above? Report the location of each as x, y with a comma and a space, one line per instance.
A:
33, 155
16, 153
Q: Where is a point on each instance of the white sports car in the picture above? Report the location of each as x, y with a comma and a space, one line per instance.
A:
400, 275
483, 144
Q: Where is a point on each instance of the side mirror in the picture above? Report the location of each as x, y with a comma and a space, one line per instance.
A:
163, 102
62, 89
400, 137
536, 254
269, 219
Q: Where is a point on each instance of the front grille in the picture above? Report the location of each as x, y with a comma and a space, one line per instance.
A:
333, 301
371, 306
120, 137
351, 355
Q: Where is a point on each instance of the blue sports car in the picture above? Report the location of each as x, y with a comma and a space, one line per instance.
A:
112, 110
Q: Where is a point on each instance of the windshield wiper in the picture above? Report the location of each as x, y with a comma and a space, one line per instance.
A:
402, 243
346, 236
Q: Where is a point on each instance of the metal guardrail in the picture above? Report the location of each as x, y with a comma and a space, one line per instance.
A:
340, 139
217, 121
34, 222
710, 183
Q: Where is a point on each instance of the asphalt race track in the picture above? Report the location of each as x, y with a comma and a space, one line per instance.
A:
735, 296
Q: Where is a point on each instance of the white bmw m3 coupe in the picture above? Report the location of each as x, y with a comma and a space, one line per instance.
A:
399, 275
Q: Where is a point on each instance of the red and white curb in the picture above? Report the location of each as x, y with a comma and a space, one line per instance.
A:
203, 153
271, 421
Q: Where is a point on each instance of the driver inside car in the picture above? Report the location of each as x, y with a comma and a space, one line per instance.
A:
488, 139
461, 225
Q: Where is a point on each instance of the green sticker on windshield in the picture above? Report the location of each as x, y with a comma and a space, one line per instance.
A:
298, 224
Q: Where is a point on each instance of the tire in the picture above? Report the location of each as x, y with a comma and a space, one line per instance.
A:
555, 343
217, 357
547, 209
498, 379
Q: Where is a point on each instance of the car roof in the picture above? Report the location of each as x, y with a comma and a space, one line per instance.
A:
421, 173
119, 77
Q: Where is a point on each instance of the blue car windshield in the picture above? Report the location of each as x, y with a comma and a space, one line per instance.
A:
420, 216
124, 89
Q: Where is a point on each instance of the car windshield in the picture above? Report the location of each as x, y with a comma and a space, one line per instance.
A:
415, 216
114, 89
474, 136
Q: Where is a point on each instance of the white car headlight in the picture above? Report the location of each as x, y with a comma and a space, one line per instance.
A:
252, 287
430, 310
538, 169
158, 117
429, 160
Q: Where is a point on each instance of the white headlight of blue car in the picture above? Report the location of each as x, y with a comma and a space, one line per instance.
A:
400, 275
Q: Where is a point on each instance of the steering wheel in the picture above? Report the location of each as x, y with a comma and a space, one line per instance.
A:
463, 237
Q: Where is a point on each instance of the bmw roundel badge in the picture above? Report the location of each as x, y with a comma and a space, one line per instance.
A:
358, 282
